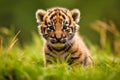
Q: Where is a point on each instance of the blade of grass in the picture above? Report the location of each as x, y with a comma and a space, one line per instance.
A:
14, 40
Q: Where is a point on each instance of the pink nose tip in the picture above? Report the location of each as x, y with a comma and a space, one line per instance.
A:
58, 37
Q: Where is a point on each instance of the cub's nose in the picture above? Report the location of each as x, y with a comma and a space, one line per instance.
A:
58, 37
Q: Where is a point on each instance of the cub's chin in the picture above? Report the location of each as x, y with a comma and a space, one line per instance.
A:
58, 45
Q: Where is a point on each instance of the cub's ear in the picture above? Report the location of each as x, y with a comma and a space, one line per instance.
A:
76, 15
39, 15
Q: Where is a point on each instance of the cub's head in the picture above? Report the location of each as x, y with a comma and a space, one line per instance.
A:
58, 25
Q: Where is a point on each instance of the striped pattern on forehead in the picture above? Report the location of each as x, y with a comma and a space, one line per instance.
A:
59, 13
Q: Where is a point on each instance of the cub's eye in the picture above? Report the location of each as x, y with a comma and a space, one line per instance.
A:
51, 27
65, 27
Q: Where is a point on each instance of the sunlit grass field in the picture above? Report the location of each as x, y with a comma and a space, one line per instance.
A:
26, 63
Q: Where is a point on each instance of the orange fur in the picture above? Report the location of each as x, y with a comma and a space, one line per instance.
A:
58, 26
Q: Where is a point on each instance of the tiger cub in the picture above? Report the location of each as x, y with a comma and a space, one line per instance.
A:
58, 26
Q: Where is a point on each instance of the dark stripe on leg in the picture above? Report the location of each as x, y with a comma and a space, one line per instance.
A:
77, 57
72, 59
84, 61
74, 51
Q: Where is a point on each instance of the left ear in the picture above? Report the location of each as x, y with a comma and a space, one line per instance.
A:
75, 15
39, 15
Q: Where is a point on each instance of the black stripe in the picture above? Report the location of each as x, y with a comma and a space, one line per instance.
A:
45, 22
69, 20
72, 29
74, 51
59, 14
71, 61
56, 9
64, 12
45, 36
77, 57
51, 60
52, 15
48, 61
69, 46
71, 36
43, 29
63, 16
67, 16
84, 61
49, 48
49, 55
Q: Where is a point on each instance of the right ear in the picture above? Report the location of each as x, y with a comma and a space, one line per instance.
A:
76, 15
39, 15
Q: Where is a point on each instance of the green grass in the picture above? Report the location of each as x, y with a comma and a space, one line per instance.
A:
26, 63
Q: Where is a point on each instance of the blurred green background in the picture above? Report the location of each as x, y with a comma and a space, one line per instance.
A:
20, 14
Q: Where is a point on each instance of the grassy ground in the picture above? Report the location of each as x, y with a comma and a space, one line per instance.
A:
27, 64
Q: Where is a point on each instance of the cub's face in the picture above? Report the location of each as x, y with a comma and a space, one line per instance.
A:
57, 25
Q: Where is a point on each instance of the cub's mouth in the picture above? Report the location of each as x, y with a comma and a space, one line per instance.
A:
58, 39
61, 41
